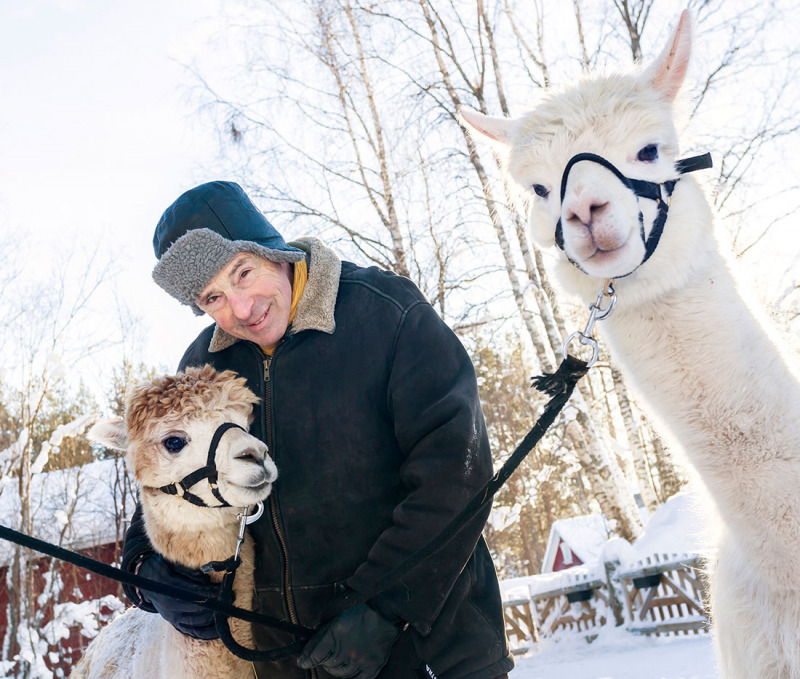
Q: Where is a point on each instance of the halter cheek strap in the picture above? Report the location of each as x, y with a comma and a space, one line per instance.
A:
656, 191
209, 471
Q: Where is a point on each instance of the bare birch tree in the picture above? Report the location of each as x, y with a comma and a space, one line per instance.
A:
344, 114
43, 345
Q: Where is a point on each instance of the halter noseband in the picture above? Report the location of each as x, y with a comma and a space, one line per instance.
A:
642, 189
181, 488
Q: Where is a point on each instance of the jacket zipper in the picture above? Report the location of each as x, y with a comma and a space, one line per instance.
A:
272, 504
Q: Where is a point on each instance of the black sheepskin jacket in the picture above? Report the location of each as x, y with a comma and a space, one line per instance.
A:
371, 413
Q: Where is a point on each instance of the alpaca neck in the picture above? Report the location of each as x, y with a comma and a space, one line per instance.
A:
711, 373
189, 535
697, 344
203, 535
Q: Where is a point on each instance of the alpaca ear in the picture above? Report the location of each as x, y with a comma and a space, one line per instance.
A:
496, 129
666, 74
110, 433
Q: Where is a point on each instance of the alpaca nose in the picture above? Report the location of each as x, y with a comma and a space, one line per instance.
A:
583, 211
256, 452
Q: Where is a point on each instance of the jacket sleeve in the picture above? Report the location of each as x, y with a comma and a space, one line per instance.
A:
439, 426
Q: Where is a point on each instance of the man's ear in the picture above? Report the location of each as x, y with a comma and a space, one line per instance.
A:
495, 129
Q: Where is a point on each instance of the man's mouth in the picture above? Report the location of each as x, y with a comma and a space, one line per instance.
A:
259, 320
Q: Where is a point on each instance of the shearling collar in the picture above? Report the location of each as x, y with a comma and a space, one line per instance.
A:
315, 310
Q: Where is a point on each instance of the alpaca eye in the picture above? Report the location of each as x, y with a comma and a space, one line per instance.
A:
540, 190
174, 444
648, 154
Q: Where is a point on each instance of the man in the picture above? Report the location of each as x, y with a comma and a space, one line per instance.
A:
371, 413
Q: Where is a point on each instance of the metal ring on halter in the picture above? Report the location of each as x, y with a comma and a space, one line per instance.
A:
587, 341
255, 516
596, 313
245, 520
607, 291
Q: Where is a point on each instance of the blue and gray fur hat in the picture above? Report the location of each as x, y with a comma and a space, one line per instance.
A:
204, 230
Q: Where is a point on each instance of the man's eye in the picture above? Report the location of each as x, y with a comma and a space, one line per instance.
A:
174, 444
211, 299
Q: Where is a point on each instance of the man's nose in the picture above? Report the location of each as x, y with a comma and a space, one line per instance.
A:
241, 304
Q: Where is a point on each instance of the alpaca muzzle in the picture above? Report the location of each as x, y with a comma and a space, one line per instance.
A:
658, 192
209, 471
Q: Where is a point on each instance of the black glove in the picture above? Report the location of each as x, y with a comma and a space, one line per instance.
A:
355, 643
184, 616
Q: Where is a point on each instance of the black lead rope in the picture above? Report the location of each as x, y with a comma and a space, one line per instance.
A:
558, 385
252, 655
127, 578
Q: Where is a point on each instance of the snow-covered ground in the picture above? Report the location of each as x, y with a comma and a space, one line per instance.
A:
617, 654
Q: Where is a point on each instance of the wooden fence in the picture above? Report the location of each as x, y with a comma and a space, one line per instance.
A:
665, 594
661, 595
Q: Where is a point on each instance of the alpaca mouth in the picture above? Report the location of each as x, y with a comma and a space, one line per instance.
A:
601, 255
252, 488
617, 258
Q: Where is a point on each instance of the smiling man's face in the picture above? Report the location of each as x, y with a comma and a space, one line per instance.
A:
250, 298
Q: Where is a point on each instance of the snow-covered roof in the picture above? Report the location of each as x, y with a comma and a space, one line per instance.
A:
585, 536
676, 527
74, 507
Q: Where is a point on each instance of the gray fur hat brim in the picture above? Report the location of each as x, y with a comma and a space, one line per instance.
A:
196, 257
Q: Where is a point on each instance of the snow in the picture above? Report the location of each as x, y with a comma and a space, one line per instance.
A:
10, 455
585, 536
532, 585
618, 549
62, 431
85, 614
676, 527
503, 517
78, 502
617, 654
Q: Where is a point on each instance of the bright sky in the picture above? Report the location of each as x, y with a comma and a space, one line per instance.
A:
97, 136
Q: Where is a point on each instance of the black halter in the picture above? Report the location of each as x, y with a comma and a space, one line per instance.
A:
642, 189
181, 488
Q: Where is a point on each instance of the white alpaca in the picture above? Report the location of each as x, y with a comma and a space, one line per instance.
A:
695, 351
169, 423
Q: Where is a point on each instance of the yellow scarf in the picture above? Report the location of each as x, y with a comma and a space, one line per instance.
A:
298, 285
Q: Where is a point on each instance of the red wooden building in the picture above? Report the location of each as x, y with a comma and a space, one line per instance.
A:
78, 509
575, 541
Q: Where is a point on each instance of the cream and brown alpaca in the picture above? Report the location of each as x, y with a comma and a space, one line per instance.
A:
168, 426
696, 352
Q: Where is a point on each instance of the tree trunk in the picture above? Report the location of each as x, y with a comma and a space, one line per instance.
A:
608, 482
638, 452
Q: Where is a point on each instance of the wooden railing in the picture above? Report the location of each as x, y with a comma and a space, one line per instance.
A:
660, 595
665, 595
520, 625
578, 604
